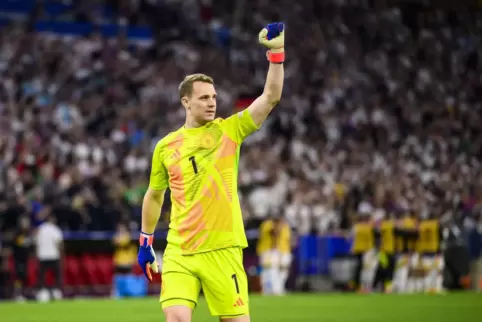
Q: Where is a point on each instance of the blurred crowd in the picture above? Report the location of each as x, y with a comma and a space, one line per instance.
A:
381, 110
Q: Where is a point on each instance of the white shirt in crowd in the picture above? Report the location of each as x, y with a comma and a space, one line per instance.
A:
48, 238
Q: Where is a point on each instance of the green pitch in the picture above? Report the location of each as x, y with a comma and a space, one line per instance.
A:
293, 308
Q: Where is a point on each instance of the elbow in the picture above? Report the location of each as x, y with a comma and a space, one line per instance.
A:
154, 195
273, 97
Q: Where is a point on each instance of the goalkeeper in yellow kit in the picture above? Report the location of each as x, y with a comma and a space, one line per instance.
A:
199, 163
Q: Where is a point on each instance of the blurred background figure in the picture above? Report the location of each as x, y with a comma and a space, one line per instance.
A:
473, 227
23, 242
4, 272
274, 251
125, 257
385, 233
363, 252
406, 274
49, 251
430, 248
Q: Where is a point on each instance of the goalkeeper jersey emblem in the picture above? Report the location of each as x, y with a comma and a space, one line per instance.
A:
207, 141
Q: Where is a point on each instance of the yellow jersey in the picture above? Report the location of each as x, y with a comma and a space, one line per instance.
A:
404, 243
429, 236
364, 238
200, 166
387, 236
271, 237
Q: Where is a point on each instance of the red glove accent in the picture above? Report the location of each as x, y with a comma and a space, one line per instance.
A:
276, 58
146, 240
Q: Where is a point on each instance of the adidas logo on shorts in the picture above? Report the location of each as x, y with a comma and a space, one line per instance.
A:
238, 303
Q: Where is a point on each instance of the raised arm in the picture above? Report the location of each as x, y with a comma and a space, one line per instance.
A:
273, 38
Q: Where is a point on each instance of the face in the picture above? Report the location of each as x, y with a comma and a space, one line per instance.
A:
24, 223
201, 106
121, 228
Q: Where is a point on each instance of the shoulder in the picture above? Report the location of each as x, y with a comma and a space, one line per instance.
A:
58, 230
266, 224
216, 122
167, 140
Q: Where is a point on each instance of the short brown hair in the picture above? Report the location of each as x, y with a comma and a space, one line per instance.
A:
185, 88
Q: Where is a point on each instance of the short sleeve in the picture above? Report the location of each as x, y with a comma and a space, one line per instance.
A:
159, 179
239, 126
59, 236
264, 229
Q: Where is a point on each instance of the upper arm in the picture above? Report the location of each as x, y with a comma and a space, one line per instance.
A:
239, 126
263, 228
159, 179
155, 194
287, 231
60, 237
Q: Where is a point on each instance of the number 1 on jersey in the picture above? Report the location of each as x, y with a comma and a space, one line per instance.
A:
194, 166
235, 282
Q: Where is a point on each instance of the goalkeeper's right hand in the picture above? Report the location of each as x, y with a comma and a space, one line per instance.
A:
146, 256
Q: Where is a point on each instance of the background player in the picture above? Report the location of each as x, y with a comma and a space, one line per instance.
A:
363, 250
406, 232
385, 233
274, 250
430, 251
199, 163
22, 246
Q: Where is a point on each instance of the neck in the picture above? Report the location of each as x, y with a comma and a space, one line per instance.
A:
192, 123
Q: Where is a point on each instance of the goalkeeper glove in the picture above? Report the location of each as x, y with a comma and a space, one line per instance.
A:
146, 256
273, 37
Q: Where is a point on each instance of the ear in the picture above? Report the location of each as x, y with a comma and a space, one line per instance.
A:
185, 102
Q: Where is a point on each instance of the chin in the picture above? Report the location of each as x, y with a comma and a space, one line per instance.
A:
210, 118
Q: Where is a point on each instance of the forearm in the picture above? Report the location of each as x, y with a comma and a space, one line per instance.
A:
274, 83
151, 210
263, 105
272, 37
61, 249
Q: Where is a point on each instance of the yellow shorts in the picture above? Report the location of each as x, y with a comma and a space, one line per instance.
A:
220, 273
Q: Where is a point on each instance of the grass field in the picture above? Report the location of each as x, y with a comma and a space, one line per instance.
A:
293, 308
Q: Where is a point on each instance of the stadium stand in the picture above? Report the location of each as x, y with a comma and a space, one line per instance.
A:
382, 97
381, 109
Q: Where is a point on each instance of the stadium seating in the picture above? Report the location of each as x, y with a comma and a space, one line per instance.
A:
72, 272
78, 271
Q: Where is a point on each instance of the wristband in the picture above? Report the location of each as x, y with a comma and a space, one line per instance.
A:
276, 57
146, 239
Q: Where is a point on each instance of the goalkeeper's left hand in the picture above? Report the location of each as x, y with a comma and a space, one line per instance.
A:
273, 37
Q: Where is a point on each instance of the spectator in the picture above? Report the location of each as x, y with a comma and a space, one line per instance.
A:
125, 256
22, 246
4, 272
49, 242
